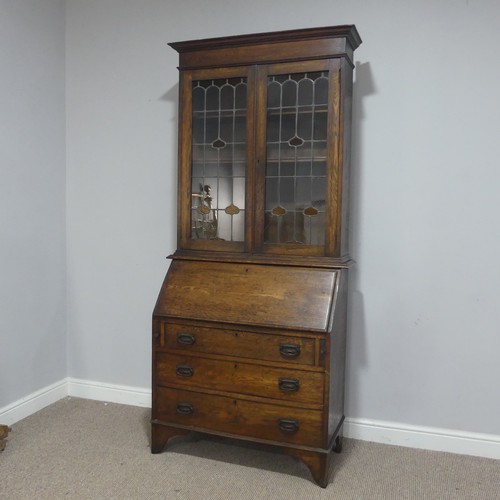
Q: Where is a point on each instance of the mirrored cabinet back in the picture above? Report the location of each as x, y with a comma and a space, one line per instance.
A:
249, 329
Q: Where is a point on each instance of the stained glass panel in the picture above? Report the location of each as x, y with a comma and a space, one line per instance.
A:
218, 159
295, 179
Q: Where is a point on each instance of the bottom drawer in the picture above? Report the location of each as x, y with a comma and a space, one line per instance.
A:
240, 417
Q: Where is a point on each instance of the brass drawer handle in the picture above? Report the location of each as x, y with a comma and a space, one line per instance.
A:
186, 338
289, 350
287, 425
184, 370
184, 408
288, 384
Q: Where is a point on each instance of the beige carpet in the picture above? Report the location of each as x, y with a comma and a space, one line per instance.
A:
80, 449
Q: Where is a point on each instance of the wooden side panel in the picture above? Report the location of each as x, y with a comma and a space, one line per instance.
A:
345, 150
337, 357
289, 297
334, 164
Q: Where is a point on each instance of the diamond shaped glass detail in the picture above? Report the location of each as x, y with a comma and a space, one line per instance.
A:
278, 211
203, 209
310, 211
218, 144
296, 142
232, 209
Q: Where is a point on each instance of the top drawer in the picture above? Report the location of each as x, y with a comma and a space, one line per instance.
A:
237, 343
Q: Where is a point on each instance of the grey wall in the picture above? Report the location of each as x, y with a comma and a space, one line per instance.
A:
424, 321
121, 184
32, 197
423, 313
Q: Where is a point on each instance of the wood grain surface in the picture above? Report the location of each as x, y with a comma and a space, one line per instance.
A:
294, 297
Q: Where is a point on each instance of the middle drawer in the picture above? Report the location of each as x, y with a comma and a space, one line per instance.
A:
244, 378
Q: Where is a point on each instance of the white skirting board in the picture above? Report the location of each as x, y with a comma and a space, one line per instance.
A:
392, 433
36, 401
77, 388
110, 393
427, 438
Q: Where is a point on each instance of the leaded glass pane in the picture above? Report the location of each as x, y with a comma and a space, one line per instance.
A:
303, 191
318, 169
287, 126
287, 192
211, 125
224, 225
212, 98
211, 154
241, 94
238, 169
273, 128
227, 97
287, 226
271, 227
274, 95
303, 169
318, 193
238, 226
227, 130
225, 187
319, 126
240, 130
210, 170
289, 93
321, 90
305, 92
295, 180
304, 152
239, 192
198, 130
198, 98
272, 169
218, 159
272, 197
305, 126
287, 152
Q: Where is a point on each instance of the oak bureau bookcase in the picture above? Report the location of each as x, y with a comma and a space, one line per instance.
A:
249, 329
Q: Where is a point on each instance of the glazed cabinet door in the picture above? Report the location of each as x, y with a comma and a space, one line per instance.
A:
216, 147
297, 158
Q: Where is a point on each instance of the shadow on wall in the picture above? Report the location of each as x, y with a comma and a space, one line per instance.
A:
171, 97
356, 340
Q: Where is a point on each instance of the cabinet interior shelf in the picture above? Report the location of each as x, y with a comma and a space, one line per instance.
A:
316, 159
230, 114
